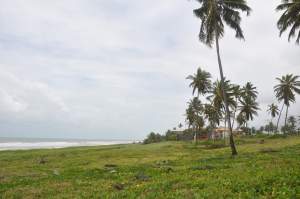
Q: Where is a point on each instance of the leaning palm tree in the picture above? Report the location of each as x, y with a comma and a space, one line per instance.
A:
200, 82
290, 18
285, 91
213, 14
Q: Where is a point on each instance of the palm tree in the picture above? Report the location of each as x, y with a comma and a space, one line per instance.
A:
193, 111
290, 18
190, 116
213, 14
285, 91
196, 105
212, 114
200, 82
193, 114
273, 110
217, 98
249, 108
249, 91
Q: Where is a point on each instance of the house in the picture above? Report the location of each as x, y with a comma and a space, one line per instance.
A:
222, 133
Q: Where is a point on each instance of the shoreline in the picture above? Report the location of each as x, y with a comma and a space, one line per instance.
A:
21, 146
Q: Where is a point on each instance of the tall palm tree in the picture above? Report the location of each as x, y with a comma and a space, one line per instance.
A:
285, 91
213, 14
290, 18
200, 82
273, 110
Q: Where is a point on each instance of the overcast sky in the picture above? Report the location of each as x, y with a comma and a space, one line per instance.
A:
115, 69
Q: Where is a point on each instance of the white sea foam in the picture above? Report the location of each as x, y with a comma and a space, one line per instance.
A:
22, 145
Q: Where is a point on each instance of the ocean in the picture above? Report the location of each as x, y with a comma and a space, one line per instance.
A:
50, 143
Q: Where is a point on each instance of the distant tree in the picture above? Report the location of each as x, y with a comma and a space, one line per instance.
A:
241, 119
261, 129
171, 135
290, 18
249, 91
213, 115
153, 138
180, 126
194, 116
270, 127
249, 108
213, 14
253, 130
273, 110
200, 82
292, 122
285, 91
248, 105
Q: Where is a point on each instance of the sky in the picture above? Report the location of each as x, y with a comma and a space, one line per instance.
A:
116, 69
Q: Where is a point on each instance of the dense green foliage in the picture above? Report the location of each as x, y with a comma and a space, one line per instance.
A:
265, 168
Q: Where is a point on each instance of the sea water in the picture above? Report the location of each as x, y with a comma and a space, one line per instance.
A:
49, 143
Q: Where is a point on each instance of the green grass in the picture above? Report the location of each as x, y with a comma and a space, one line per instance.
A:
269, 169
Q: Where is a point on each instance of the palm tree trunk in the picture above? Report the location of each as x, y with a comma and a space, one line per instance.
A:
286, 115
272, 126
234, 115
232, 144
279, 117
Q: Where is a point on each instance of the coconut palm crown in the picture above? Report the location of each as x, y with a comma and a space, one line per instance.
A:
273, 110
213, 14
285, 91
249, 91
200, 82
287, 88
290, 18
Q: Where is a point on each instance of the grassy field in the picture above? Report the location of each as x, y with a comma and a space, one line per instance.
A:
263, 169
